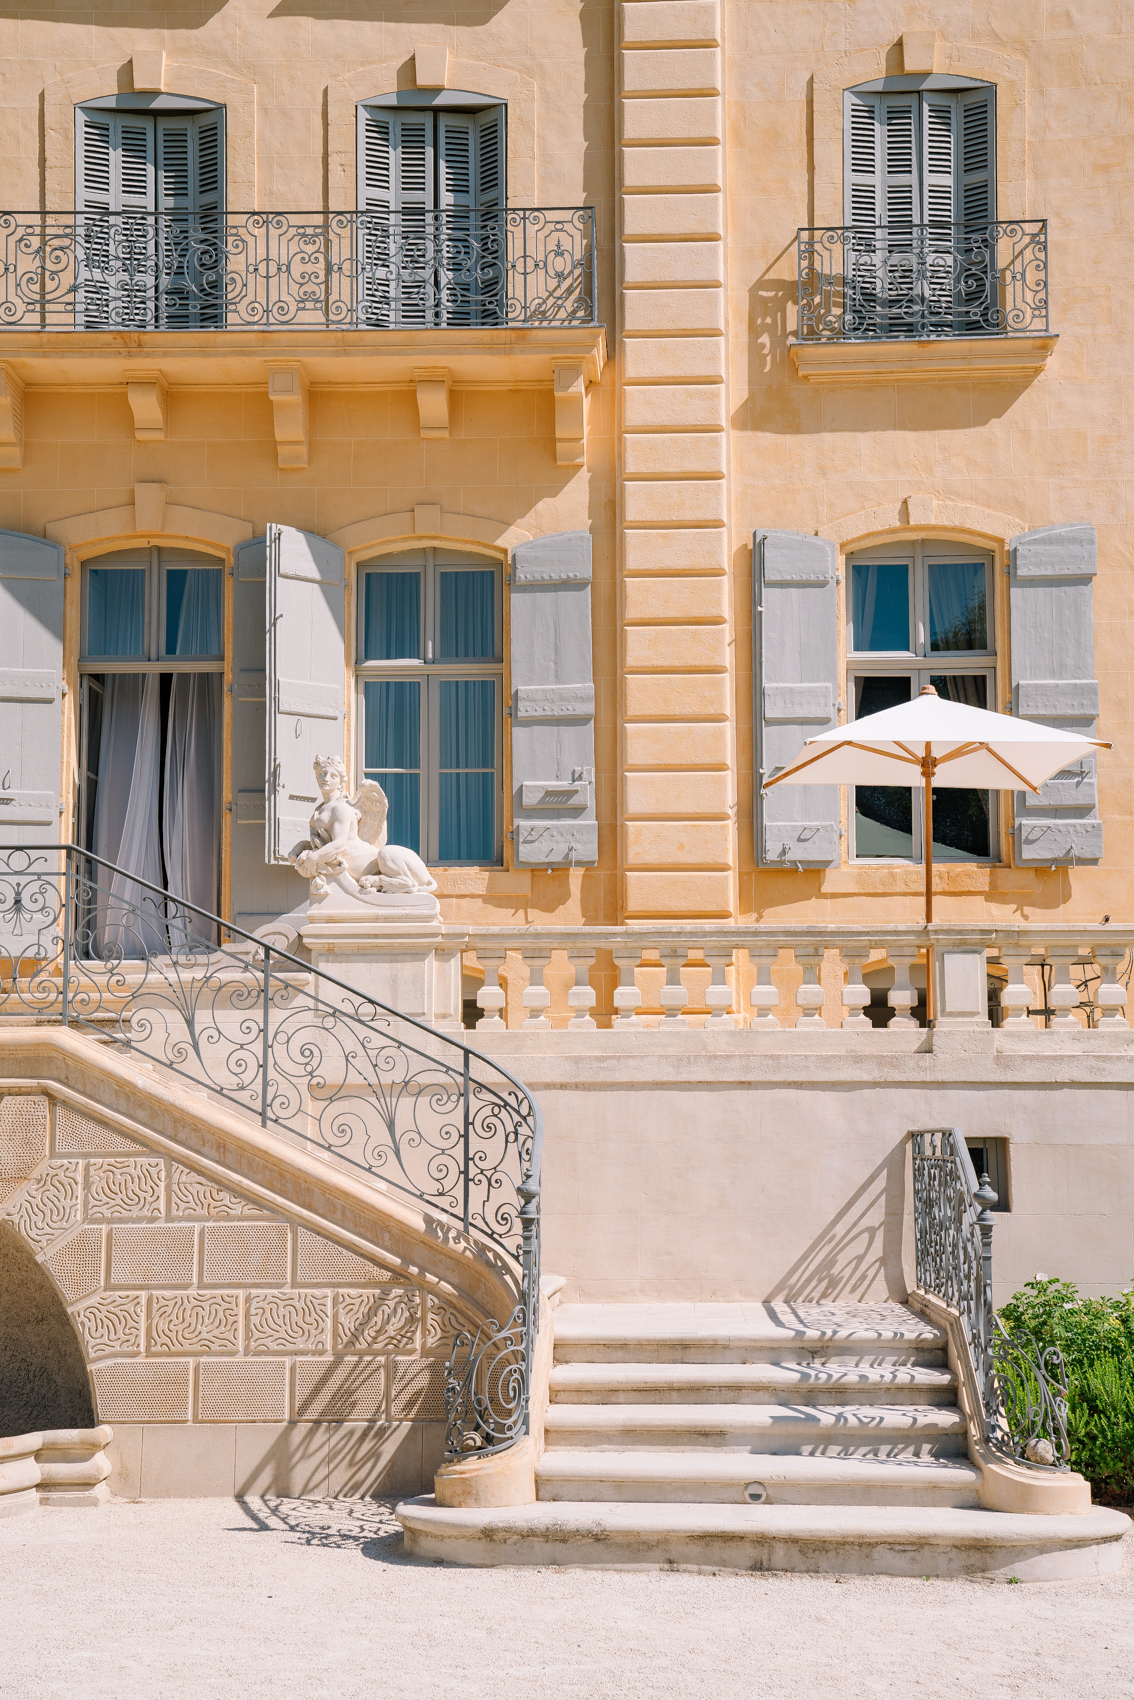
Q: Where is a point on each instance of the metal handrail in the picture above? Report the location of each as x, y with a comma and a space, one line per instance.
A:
368, 270
864, 283
91, 946
1023, 1388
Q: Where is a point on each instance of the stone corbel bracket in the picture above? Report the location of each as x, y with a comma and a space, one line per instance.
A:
11, 420
287, 391
149, 403
570, 390
432, 400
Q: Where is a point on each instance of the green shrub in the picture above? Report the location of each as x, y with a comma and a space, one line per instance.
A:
1096, 1337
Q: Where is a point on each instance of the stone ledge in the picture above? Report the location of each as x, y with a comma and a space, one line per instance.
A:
1019, 358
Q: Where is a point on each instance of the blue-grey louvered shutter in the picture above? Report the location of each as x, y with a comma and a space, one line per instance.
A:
797, 680
553, 703
31, 687
1051, 595
306, 662
260, 891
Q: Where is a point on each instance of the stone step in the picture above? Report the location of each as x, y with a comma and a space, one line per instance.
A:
848, 1431
835, 1540
745, 1333
588, 1383
720, 1477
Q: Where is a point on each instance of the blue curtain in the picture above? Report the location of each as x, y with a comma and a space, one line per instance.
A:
392, 753
880, 605
194, 616
391, 625
467, 625
116, 611
466, 744
958, 618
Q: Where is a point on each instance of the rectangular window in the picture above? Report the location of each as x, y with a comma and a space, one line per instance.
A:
929, 603
149, 605
990, 1157
430, 677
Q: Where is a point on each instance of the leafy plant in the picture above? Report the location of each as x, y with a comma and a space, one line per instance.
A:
1096, 1337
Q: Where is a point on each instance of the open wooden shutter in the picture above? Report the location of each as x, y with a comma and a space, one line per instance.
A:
260, 891
553, 703
31, 685
1053, 679
797, 673
306, 660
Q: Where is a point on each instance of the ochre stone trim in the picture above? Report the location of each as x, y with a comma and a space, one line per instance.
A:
181, 76
981, 359
500, 82
366, 534
929, 516
188, 525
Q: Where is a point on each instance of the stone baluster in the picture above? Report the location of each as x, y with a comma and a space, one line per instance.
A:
1111, 995
1016, 997
627, 997
673, 997
902, 996
1064, 997
718, 993
856, 995
764, 997
537, 998
810, 996
491, 998
581, 997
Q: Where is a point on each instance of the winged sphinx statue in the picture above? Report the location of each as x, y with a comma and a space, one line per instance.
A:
348, 837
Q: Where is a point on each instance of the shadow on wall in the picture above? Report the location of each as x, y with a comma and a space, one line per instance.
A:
860, 1248
43, 1375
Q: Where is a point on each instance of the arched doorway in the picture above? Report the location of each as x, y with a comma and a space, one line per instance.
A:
43, 1377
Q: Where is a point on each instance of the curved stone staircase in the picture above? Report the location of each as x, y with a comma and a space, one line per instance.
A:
760, 1436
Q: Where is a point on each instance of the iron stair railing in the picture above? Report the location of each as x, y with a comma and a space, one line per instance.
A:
91, 946
1023, 1388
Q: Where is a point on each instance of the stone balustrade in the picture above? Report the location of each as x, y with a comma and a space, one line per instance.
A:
810, 978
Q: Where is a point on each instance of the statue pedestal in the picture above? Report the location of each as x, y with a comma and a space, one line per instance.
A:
393, 948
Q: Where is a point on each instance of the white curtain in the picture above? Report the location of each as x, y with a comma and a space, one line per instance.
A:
190, 826
126, 816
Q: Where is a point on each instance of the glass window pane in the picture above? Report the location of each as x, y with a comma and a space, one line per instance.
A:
467, 626
880, 605
961, 831
392, 736
969, 688
883, 821
116, 611
467, 827
403, 793
391, 625
957, 614
872, 695
194, 611
468, 723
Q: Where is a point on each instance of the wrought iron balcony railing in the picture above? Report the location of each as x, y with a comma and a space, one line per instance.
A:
92, 271
860, 283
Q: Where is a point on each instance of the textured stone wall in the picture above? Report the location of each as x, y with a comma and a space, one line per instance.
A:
199, 1311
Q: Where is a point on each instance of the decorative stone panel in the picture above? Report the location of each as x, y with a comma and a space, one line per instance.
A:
418, 1389
141, 1392
319, 1261
443, 1324
193, 1195
77, 1263
24, 1129
239, 1252
111, 1324
152, 1256
78, 1136
237, 1390
47, 1205
124, 1188
194, 1322
288, 1322
340, 1389
390, 1319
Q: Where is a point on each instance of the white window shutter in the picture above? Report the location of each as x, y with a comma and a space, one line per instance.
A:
94, 169
797, 688
375, 160
114, 162
1051, 594
939, 157
862, 175
553, 703
413, 161
976, 193
456, 139
175, 165
491, 159
900, 149
304, 685
209, 143
134, 160
31, 685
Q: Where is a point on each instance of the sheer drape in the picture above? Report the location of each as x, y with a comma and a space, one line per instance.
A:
126, 815
467, 797
190, 826
957, 614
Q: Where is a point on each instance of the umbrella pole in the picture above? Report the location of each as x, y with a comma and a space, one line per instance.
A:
927, 766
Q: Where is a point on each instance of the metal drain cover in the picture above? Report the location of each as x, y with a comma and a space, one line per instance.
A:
755, 1493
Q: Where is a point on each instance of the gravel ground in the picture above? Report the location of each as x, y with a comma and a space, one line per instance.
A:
310, 1599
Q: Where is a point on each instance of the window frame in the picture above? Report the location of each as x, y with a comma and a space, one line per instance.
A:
155, 659
920, 663
430, 561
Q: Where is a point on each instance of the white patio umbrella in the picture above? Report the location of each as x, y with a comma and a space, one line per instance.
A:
947, 743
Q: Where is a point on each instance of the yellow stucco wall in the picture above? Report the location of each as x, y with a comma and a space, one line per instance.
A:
703, 134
